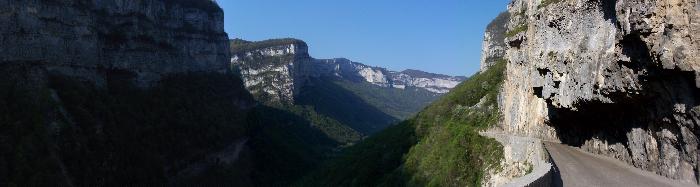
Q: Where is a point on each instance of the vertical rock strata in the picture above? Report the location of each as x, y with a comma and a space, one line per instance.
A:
616, 78
269, 71
84, 37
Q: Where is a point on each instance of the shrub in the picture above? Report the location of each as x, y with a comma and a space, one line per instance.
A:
546, 3
516, 30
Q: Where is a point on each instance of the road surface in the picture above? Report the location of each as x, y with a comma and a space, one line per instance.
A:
576, 168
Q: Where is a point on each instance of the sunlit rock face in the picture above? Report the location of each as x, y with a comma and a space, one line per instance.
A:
147, 37
494, 48
616, 78
277, 69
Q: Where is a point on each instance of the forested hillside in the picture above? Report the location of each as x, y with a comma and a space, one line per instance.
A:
438, 147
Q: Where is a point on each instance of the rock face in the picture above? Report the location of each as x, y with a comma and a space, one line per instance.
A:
493, 47
82, 38
290, 66
271, 70
115, 92
616, 78
435, 83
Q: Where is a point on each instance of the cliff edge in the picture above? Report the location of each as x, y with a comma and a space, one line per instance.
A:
85, 38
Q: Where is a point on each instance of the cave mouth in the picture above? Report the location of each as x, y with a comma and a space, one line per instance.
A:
650, 110
609, 122
666, 104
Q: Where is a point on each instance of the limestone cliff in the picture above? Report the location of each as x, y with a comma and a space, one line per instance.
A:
277, 69
83, 37
616, 78
494, 48
347, 69
269, 68
116, 92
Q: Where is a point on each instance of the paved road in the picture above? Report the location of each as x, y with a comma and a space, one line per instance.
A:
576, 168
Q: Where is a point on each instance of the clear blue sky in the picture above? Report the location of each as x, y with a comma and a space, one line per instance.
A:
439, 36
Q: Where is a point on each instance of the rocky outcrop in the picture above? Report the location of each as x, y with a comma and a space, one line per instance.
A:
272, 69
277, 69
494, 48
616, 78
114, 90
84, 38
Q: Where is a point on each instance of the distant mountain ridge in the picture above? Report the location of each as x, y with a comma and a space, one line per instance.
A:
365, 98
303, 66
423, 74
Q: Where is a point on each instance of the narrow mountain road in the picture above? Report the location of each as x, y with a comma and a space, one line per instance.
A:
577, 168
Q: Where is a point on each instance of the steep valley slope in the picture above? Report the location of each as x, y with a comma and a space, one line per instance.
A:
132, 93
99, 93
280, 72
153, 93
613, 78
440, 146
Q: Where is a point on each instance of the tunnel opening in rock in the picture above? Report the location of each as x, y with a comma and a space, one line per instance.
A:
604, 121
651, 108
611, 121
654, 128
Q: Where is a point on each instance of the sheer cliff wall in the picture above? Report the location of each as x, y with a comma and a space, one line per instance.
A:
616, 78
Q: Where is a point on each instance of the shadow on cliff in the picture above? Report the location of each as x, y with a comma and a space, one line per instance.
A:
612, 122
284, 147
62, 130
330, 99
650, 109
